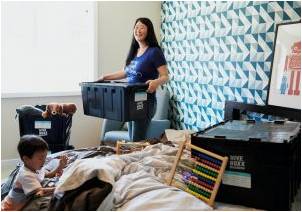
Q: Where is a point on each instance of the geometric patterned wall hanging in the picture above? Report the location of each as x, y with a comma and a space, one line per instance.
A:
218, 51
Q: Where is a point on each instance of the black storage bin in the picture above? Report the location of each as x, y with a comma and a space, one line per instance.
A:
116, 100
55, 130
263, 167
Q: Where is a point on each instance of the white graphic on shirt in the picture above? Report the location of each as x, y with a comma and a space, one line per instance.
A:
131, 71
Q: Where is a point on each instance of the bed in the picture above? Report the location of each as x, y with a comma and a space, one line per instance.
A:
98, 179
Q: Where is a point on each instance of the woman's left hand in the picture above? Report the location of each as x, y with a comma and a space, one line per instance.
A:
153, 84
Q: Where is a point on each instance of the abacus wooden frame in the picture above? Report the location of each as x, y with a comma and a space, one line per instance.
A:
224, 161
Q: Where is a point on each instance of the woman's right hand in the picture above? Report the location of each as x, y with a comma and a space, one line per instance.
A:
114, 76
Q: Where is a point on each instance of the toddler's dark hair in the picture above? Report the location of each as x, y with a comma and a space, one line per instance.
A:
29, 144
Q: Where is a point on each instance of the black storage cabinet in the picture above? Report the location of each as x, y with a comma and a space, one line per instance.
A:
55, 130
116, 100
262, 170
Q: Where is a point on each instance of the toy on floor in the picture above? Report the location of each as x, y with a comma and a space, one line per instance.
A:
200, 175
63, 109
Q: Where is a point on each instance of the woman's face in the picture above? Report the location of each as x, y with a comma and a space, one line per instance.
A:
140, 31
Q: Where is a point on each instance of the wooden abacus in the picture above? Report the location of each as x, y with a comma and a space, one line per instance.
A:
205, 175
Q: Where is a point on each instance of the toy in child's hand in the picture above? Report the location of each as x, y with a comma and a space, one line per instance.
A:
62, 109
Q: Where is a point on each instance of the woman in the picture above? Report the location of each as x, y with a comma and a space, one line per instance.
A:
145, 63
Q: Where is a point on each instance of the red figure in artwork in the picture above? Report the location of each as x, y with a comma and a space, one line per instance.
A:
293, 66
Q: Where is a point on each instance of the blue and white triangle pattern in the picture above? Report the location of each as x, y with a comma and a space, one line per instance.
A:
218, 51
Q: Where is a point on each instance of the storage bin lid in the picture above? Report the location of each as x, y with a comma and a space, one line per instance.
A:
243, 130
114, 84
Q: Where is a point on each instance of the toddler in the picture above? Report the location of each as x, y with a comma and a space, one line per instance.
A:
33, 151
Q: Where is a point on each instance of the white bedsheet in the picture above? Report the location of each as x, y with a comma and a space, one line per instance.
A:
141, 191
141, 186
137, 179
107, 169
138, 182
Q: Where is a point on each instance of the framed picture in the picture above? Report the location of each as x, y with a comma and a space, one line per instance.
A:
285, 81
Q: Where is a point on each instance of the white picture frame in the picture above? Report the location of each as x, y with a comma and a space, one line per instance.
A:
285, 81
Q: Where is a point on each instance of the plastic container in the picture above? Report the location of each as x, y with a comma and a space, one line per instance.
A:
263, 167
55, 130
116, 100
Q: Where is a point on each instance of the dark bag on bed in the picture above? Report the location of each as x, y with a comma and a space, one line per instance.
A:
87, 197
7, 185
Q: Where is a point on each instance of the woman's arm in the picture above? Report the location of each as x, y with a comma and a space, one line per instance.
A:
114, 76
162, 79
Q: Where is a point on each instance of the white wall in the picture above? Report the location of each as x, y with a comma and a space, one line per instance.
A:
116, 21
115, 24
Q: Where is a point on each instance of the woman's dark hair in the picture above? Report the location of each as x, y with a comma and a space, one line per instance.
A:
150, 39
29, 144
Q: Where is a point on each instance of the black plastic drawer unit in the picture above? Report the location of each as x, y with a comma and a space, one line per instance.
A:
264, 158
116, 100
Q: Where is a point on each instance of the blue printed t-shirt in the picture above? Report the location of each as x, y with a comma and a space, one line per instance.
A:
144, 67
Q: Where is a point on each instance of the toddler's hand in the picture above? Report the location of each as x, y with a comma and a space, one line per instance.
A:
63, 161
59, 173
44, 191
39, 193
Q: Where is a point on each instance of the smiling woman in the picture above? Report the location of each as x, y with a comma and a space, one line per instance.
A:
145, 63
48, 47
